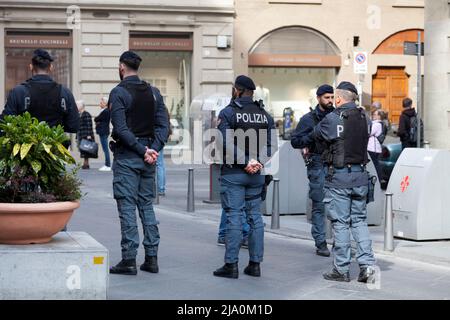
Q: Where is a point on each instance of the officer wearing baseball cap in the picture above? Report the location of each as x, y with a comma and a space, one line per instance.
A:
303, 138
140, 130
42, 97
246, 127
345, 132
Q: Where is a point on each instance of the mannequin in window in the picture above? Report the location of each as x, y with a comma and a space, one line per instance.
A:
263, 94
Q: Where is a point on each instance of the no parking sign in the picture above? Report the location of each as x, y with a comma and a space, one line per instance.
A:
360, 64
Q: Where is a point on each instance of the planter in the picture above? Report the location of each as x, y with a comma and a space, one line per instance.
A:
28, 223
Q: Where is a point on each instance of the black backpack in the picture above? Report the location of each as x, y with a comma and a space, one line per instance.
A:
413, 129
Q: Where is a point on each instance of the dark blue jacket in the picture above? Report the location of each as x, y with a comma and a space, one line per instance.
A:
102, 122
303, 136
330, 129
227, 121
120, 100
15, 104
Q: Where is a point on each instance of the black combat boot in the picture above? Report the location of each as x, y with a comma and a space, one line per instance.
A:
150, 264
229, 270
335, 275
125, 266
322, 250
253, 269
367, 275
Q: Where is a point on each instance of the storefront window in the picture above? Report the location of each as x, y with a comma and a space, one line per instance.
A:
288, 65
169, 71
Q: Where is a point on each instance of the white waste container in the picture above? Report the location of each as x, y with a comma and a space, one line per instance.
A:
420, 183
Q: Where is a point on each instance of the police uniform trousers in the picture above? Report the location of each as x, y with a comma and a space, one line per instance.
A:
346, 208
134, 187
316, 177
241, 194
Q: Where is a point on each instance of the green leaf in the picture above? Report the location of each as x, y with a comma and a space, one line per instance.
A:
16, 149
63, 149
47, 148
36, 165
5, 141
24, 149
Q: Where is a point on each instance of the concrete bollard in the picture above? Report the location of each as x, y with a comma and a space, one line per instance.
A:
190, 192
388, 225
426, 144
275, 222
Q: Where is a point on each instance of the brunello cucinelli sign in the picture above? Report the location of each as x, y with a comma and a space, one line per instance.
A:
38, 41
161, 44
292, 60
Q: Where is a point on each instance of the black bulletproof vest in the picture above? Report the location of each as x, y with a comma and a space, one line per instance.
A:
351, 147
141, 114
46, 102
254, 121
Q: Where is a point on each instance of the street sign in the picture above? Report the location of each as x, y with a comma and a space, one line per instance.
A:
360, 64
410, 48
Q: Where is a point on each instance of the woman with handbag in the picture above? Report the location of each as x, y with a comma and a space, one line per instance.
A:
86, 131
376, 138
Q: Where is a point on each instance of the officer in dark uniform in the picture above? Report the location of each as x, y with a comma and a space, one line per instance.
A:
241, 181
345, 132
303, 138
42, 97
140, 130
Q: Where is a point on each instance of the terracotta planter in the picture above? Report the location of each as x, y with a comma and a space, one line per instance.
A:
27, 223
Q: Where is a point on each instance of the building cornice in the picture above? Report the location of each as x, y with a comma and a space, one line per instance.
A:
118, 7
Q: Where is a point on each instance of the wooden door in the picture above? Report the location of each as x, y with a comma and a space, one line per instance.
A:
390, 87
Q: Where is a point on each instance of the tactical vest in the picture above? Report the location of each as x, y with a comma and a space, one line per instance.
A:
251, 117
46, 102
141, 114
350, 148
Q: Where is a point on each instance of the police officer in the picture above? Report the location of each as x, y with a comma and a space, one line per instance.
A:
345, 132
42, 97
140, 129
303, 138
241, 181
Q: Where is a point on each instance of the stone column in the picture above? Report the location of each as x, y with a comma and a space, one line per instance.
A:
436, 111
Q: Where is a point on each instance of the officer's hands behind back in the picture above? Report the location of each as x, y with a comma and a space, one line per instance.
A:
150, 156
253, 167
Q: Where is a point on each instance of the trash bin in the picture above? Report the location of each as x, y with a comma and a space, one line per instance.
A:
421, 189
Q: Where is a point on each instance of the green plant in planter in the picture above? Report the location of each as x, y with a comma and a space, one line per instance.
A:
33, 162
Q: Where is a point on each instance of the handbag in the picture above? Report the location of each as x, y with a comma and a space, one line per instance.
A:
90, 148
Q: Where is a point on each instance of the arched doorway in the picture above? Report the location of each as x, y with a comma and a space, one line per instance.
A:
390, 85
288, 64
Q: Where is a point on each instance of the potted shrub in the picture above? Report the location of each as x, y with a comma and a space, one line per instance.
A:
38, 193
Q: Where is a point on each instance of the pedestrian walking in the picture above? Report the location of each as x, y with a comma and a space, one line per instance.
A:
102, 122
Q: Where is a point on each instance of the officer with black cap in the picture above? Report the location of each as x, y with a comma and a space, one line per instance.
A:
248, 141
140, 130
42, 97
345, 133
303, 138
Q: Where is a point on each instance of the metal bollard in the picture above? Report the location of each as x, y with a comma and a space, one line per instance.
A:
275, 223
190, 193
155, 187
388, 225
